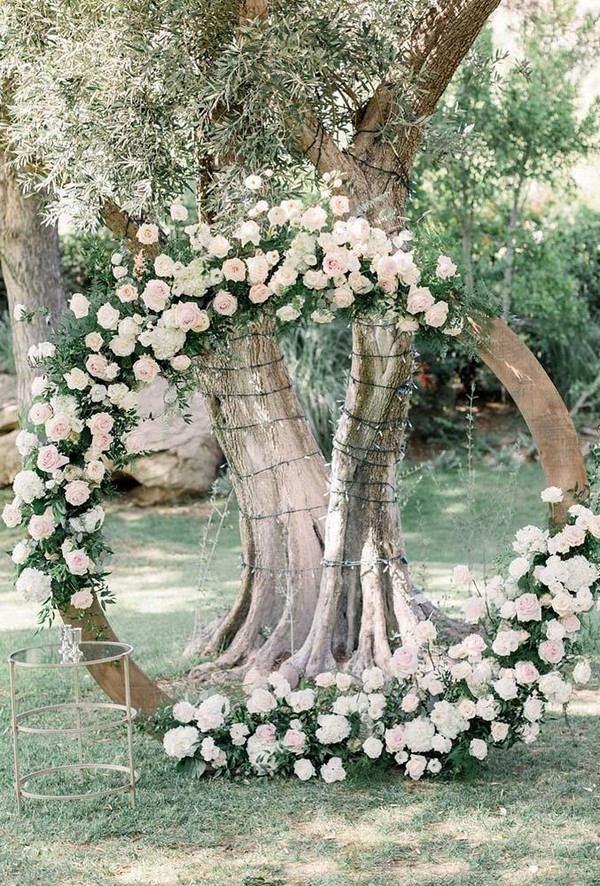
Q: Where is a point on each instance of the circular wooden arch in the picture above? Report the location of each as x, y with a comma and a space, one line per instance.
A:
553, 433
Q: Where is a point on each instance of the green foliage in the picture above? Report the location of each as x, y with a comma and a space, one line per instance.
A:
136, 99
318, 359
7, 360
502, 194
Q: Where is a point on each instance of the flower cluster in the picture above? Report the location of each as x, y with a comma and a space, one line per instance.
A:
158, 308
433, 710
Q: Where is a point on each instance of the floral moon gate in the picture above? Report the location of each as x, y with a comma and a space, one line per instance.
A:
553, 433
294, 260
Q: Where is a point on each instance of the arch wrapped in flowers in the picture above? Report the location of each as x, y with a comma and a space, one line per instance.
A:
178, 297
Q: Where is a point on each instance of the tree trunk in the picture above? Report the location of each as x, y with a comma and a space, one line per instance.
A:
30, 263
281, 484
365, 591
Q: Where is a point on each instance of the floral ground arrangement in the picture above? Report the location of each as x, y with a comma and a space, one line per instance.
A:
437, 709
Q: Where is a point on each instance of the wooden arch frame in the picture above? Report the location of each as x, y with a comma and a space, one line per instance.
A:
553, 433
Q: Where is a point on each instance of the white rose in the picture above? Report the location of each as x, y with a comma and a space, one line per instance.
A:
445, 267
326, 679
582, 672
437, 314
218, 246
253, 182
304, 769
287, 313
261, 702
184, 712
147, 234
373, 747
107, 316
181, 742
333, 770
416, 766
178, 212
499, 730
478, 749
552, 494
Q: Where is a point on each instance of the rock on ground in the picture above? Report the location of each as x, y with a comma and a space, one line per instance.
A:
185, 458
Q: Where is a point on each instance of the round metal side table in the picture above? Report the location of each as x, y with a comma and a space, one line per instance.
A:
92, 652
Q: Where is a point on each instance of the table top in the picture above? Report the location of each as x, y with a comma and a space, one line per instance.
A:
49, 656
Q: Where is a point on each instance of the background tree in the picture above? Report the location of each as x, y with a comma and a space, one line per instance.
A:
502, 190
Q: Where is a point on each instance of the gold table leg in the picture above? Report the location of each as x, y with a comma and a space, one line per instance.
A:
129, 727
15, 734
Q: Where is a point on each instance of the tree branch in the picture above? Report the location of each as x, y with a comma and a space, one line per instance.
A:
122, 225
437, 45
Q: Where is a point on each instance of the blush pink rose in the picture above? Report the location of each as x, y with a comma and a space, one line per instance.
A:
528, 608
82, 599
58, 427
156, 295
551, 651
41, 526
225, 303
437, 314
78, 562
419, 299
97, 365
333, 265
294, 740
266, 732
526, 672
77, 492
101, 441
101, 422
50, 460
134, 442
387, 268
146, 369
234, 269
127, 292
188, 315
394, 739
259, 293
405, 661
95, 470
40, 413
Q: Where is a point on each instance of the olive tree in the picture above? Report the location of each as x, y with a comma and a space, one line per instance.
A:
128, 103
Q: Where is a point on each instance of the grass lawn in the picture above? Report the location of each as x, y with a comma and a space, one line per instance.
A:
532, 815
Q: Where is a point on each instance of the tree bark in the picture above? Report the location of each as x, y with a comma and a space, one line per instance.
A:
30, 263
281, 484
365, 594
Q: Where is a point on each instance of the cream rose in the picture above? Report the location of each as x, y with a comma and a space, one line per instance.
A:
79, 305
147, 234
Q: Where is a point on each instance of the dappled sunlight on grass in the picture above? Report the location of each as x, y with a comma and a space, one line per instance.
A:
529, 817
